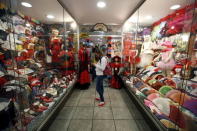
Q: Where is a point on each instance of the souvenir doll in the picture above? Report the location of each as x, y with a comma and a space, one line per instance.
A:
67, 60
84, 77
130, 52
55, 47
167, 62
177, 77
133, 59
147, 52
115, 65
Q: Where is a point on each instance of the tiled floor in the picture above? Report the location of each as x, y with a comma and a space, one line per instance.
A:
81, 113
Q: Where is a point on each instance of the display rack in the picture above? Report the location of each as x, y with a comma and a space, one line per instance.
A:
43, 122
155, 124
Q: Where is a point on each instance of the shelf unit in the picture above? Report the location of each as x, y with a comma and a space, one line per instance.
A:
154, 122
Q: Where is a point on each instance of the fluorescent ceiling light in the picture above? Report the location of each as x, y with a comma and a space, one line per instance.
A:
101, 4
148, 17
26, 4
50, 16
174, 7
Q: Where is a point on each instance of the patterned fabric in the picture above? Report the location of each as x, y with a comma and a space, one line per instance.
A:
84, 77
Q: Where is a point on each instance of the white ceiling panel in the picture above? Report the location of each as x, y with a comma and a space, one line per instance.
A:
87, 12
41, 8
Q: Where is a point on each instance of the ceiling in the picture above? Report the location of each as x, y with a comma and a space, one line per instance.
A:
41, 8
86, 11
157, 9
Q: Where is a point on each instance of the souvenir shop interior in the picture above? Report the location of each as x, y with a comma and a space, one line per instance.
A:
153, 52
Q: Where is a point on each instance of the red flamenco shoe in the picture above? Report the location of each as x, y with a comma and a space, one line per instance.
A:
64, 87
39, 110
48, 100
101, 104
43, 108
98, 99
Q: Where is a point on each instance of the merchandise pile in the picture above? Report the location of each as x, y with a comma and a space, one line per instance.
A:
173, 103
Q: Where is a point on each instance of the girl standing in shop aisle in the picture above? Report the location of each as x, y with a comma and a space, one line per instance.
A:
100, 67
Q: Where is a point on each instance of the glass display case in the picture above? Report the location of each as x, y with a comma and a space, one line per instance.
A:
37, 63
162, 77
130, 42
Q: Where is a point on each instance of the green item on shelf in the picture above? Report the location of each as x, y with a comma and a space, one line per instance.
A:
165, 89
152, 81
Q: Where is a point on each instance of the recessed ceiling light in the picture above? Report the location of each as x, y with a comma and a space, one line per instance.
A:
149, 17
174, 7
74, 25
50, 16
172, 27
26, 4
101, 4
28, 25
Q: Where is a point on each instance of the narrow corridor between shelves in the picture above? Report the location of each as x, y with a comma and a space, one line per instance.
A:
81, 113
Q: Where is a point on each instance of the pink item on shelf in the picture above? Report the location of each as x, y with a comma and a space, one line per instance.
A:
167, 44
152, 107
148, 103
171, 92
153, 96
163, 104
166, 65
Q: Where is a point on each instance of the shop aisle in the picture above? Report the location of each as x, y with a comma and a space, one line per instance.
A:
81, 113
